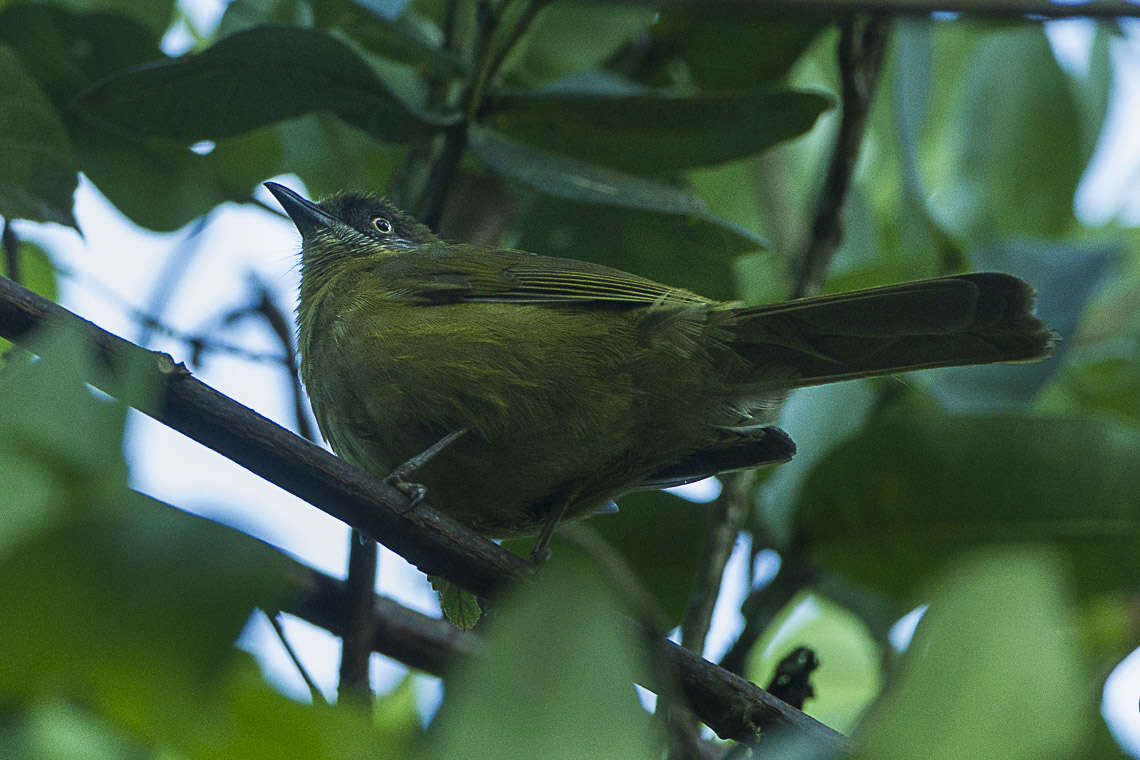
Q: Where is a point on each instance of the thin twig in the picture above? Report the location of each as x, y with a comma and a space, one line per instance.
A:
173, 270
862, 42
728, 513
265, 307
487, 61
198, 343
314, 691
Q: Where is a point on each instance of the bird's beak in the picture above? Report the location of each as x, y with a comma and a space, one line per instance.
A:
306, 215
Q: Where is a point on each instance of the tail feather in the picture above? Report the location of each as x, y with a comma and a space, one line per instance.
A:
979, 318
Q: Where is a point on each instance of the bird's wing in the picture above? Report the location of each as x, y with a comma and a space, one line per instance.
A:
459, 273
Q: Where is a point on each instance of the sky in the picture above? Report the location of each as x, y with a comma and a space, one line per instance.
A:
117, 265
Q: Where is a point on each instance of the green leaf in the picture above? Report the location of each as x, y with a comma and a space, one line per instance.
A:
156, 14
1014, 141
570, 36
399, 41
38, 173
250, 79
42, 405
992, 668
579, 181
652, 132
141, 601
917, 487
652, 525
461, 608
647, 526
818, 419
733, 47
677, 250
554, 680
245, 14
67, 51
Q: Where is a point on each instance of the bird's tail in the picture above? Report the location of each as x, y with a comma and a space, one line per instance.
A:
978, 318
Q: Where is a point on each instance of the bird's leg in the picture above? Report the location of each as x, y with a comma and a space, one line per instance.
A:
398, 478
541, 552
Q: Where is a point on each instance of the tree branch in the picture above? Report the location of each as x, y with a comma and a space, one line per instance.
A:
728, 704
984, 8
862, 43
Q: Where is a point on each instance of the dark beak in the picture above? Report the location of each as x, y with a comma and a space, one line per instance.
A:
306, 215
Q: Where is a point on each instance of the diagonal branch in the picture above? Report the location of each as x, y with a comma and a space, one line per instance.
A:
731, 706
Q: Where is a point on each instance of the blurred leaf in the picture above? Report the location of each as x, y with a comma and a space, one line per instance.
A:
395, 713
141, 602
1013, 141
1094, 91
661, 536
162, 185
247, 719
555, 680
655, 133
245, 14
250, 79
573, 35
332, 156
57, 730
68, 51
579, 181
819, 420
1105, 384
917, 487
399, 41
993, 670
680, 251
1066, 276
42, 405
37, 168
733, 47
155, 14
849, 674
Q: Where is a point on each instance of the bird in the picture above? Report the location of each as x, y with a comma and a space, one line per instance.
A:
542, 388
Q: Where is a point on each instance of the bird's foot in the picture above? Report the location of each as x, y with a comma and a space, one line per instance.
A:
399, 477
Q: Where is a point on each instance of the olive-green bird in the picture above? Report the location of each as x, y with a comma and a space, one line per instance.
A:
571, 382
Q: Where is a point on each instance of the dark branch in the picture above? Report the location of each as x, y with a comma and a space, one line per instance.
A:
731, 706
359, 617
861, 45
987, 9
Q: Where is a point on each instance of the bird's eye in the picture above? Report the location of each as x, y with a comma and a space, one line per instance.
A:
382, 224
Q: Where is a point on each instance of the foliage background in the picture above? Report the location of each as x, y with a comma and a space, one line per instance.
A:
1003, 497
